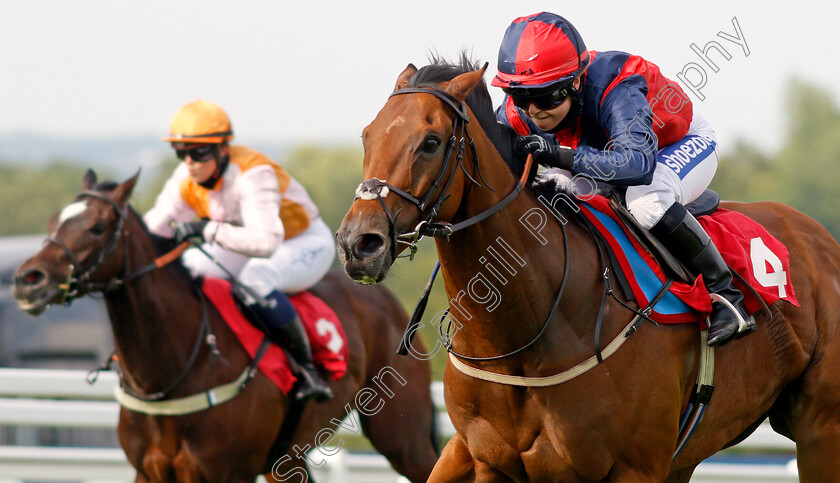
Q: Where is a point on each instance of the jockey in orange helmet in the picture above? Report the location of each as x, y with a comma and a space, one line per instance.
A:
611, 119
254, 218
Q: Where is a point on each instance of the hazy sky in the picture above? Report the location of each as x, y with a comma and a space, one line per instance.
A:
312, 70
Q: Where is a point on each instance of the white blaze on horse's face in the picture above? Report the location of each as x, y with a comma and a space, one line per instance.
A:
399, 121
71, 211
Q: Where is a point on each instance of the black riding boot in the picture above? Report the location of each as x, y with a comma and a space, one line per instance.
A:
285, 328
296, 341
686, 239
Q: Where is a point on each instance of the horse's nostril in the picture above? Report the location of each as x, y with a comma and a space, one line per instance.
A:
368, 245
33, 277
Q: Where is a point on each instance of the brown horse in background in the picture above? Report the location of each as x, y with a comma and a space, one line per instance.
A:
618, 421
156, 320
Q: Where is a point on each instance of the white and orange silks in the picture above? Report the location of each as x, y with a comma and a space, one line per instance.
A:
264, 227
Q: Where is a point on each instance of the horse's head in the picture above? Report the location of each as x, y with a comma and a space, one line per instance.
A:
75, 256
413, 171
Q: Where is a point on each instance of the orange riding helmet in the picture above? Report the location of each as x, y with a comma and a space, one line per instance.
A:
200, 121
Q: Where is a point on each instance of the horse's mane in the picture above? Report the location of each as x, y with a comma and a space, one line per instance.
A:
502, 136
162, 244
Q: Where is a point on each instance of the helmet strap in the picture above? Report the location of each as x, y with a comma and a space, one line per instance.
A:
222, 161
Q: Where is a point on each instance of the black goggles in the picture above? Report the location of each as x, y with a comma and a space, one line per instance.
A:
198, 154
544, 100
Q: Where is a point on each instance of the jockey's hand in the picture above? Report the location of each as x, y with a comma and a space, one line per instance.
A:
192, 231
545, 153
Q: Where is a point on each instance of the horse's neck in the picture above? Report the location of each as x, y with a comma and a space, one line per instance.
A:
503, 274
155, 319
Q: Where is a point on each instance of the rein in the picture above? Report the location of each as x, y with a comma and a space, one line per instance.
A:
159, 403
591, 362
80, 284
375, 188
210, 338
448, 341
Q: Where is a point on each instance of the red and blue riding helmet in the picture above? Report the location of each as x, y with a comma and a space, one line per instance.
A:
539, 51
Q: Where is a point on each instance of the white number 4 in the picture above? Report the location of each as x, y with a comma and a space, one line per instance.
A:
761, 256
324, 327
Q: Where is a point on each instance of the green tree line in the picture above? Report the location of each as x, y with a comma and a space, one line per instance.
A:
803, 173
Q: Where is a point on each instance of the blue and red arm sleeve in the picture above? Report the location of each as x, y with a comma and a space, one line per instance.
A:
629, 158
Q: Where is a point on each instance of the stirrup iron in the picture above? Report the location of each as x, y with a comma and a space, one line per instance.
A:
742, 324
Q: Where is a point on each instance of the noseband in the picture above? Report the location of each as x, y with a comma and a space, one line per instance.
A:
378, 189
80, 281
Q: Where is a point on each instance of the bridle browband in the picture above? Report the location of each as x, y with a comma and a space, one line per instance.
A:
80, 282
375, 188
428, 226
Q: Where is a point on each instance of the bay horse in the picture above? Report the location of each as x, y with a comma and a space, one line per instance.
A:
619, 420
156, 316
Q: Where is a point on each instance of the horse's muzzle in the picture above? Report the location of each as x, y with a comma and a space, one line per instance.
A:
366, 256
33, 290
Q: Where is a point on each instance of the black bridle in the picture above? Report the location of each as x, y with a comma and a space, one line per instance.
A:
78, 284
428, 225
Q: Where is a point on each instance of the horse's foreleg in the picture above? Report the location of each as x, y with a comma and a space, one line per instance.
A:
293, 471
455, 463
631, 471
404, 437
403, 429
157, 466
185, 468
817, 446
680, 476
816, 453
815, 418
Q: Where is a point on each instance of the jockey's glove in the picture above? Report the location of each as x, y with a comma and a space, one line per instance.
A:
545, 153
192, 231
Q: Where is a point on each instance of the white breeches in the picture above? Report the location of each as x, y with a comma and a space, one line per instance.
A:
297, 264
683, 171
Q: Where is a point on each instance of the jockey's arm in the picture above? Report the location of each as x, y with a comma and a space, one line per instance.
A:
262, 230
169, 206
630, 156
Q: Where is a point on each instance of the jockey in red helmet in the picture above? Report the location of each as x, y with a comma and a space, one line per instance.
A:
611, 119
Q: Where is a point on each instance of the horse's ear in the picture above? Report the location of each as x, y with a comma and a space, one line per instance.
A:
402, 80
89, 181
461, 86
52, 223
123, 191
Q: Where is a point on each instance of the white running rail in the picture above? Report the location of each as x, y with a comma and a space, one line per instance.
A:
62, 399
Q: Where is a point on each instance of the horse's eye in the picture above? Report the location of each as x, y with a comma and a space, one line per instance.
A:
97, 229
431, 144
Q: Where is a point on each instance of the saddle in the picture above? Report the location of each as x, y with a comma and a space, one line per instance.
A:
641, 264
329, 342
705, 204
